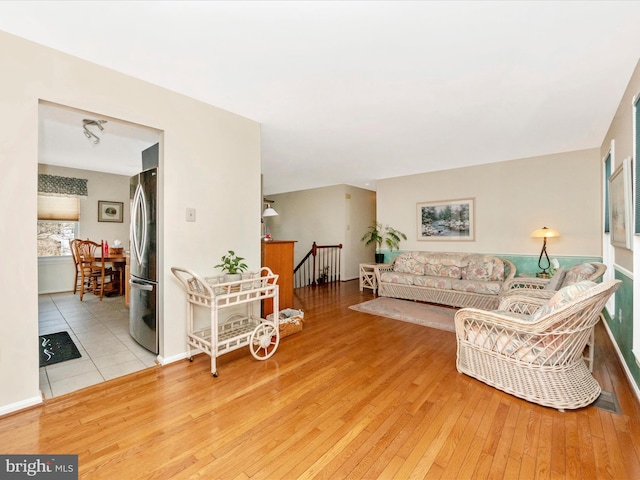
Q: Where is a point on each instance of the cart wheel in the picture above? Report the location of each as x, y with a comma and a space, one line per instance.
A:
191, 359
215, 374
264, 341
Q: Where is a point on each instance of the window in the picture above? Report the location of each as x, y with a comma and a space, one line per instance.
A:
57, 224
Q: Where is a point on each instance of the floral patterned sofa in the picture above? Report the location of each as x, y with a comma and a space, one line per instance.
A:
449, 278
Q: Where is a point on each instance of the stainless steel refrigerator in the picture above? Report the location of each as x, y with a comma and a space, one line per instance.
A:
143, 261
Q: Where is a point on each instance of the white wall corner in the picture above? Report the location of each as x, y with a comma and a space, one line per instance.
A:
22, 404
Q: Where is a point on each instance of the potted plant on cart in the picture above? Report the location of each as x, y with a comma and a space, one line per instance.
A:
233, 265
379, 234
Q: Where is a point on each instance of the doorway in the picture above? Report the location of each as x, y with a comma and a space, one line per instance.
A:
106, 159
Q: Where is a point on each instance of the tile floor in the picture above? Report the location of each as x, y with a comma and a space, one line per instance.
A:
100, 330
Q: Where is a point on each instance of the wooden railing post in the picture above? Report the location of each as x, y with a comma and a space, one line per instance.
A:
307, 272
314, 252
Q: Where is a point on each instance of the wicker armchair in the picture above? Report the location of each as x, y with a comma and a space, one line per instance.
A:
533, 348
546, 287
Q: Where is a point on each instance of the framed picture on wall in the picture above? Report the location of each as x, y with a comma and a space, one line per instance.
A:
446, 220
620, 205
110, 211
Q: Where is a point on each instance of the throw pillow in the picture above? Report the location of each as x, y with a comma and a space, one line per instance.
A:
578, 273
562, 297
407, 263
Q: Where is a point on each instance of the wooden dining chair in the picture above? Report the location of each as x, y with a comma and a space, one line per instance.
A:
94, 276
76, 264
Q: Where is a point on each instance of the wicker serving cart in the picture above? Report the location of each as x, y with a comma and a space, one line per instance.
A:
239, 330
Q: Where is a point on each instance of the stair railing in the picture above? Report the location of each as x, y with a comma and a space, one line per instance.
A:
321, 265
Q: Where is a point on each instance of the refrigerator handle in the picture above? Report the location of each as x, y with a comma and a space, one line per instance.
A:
143, 209
134, 224
139, 238
141, 286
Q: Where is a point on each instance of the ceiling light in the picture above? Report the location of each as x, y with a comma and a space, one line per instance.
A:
269, 212
88, 133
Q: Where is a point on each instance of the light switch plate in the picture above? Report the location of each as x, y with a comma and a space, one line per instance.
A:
191, 214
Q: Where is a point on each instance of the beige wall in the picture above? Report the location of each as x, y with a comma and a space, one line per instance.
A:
360, 212
512, 199
325, 215
202, 147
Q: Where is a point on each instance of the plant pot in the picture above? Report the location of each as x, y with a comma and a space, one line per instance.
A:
379, 257
232, 277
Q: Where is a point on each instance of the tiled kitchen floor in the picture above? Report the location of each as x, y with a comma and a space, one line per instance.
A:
100, 330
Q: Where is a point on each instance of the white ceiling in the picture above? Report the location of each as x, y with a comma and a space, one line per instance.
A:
62, 141
350, 92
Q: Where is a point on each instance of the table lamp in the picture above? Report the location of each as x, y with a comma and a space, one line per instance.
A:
545, 233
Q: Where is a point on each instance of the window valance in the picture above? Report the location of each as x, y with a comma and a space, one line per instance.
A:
62, 186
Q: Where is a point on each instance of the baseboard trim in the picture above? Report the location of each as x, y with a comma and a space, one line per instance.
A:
21, 405
171, 359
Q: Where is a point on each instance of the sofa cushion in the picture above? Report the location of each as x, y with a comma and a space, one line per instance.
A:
477, 286
562, 297
483, 267
398, 277
444, 264
408, 263
442, 283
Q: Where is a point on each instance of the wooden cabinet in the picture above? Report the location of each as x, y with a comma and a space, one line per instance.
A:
278, 256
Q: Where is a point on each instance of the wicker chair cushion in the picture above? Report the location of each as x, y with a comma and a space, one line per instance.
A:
578, 273
519, 346
483, 267
556, 280
562, 297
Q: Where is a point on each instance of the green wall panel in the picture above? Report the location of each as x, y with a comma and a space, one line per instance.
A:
621, 323
523, 263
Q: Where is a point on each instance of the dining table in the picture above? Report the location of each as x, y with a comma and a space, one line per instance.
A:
118, 262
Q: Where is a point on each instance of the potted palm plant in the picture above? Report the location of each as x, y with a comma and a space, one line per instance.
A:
379, 234
233, 265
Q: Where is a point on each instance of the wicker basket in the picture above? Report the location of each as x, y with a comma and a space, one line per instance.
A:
290, 321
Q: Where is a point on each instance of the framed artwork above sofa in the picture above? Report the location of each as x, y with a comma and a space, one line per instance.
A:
446, 220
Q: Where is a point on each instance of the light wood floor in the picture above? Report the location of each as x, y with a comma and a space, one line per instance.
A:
352, 396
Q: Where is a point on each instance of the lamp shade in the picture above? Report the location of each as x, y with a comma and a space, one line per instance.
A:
545, 232
269, 212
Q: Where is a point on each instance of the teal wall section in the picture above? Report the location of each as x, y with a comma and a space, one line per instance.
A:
529, 263
523, 263
621, 324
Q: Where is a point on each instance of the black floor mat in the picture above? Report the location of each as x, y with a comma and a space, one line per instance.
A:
56, 348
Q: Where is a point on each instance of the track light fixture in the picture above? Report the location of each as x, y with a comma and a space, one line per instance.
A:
88, 133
